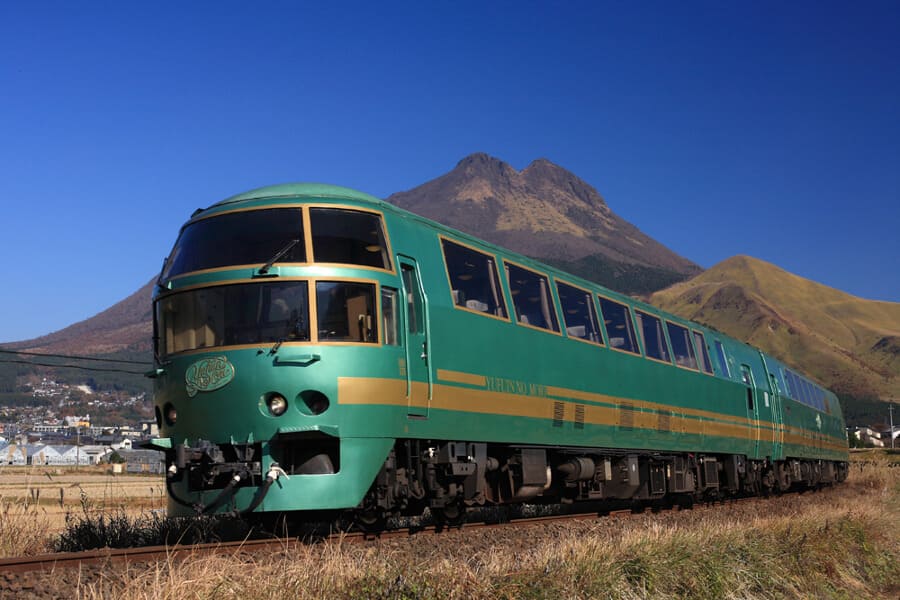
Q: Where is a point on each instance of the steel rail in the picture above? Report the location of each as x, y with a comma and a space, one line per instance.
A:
104, 556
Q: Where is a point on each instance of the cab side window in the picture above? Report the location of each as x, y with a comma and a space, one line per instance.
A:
389, 316
346, 312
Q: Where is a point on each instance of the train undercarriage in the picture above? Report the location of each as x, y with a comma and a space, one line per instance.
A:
449, 478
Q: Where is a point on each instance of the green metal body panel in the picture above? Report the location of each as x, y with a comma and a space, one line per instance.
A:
483, 379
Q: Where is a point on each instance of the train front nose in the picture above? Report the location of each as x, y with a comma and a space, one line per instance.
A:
245, 433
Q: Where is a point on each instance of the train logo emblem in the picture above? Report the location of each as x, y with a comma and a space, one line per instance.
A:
208, 374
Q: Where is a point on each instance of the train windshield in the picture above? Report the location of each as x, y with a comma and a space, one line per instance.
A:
346, 312
348, 237
239, 238
231, 315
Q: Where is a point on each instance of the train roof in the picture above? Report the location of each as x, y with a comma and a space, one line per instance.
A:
301, 190
309, 190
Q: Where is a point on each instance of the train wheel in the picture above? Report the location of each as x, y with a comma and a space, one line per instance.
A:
371, 520
449, 516
783, 477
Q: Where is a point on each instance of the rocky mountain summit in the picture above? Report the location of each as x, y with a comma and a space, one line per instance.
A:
548, 213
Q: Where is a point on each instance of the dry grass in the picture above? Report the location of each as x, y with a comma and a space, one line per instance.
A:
24, 530
36, 501
841, 543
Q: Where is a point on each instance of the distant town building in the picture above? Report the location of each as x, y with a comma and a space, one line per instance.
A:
868, 436
143, 461
52, 454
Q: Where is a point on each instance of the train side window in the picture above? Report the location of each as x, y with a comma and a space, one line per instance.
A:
702, 352
413, 299
782, 383
681, 346
531, 298
619, 328
346, 312
723, 360
650, 328
348, 237
812, 394
579, 313
473, 279
794, 383
747, 378
389, 316
804, 391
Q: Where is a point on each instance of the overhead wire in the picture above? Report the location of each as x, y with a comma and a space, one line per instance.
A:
81, 367
4, 359
72, 356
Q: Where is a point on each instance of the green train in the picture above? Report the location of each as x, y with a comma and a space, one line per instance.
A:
321, 352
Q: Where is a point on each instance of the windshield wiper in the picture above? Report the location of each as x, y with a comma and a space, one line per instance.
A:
159, 280
265, 268
296, 331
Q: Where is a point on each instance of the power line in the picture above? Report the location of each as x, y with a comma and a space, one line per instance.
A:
83, 368
72, 356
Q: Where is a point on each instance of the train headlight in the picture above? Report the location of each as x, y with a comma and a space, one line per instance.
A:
277, 404
312, 402
170, 414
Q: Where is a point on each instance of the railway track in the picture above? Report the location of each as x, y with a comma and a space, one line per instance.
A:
118, 556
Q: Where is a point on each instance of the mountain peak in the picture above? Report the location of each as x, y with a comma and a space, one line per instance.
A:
544, 211
543, 165
484, 164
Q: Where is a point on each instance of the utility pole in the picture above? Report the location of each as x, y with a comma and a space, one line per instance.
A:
891, 413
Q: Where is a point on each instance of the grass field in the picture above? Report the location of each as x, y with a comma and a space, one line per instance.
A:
35, 501
840, 543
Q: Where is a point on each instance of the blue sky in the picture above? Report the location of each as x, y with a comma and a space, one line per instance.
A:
763, 128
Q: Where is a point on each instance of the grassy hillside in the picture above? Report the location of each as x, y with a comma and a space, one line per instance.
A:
850, 344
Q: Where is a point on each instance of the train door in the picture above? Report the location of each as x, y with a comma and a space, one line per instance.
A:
752, 407
777, 421
777, 406
418, 372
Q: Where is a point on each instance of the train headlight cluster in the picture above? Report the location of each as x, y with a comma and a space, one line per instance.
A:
277, 403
